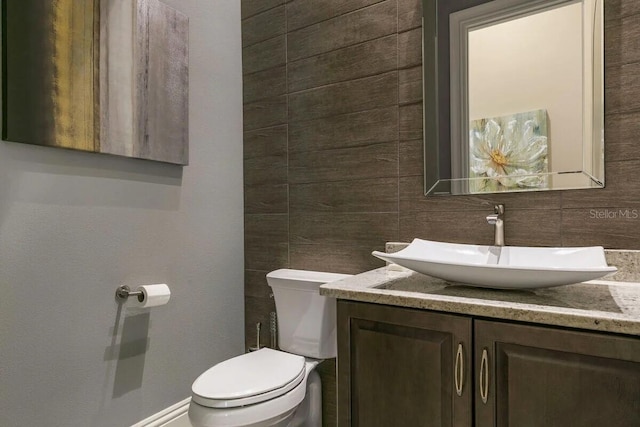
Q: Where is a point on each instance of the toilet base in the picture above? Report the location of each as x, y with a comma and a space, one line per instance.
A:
202, 416
309, 412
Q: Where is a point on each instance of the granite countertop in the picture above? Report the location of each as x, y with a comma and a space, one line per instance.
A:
596, 305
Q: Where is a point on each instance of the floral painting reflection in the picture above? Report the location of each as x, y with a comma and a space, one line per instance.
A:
509, 152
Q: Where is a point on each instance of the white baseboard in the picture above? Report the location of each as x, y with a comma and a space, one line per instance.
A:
173, 416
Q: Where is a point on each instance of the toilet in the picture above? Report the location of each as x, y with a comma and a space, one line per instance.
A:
275, 387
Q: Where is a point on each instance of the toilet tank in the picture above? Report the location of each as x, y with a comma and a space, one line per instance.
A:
306, 320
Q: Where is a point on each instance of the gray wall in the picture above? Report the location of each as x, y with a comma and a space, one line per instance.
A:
74, 226
333, 147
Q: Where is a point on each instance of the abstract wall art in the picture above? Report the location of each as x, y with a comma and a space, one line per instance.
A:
106, 76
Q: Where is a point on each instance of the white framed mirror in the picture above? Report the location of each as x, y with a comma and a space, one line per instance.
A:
525, 105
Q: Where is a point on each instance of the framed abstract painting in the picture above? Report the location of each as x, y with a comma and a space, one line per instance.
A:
106, 76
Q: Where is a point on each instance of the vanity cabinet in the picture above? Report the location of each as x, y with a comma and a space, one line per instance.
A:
409, 367
398, 367
538, 376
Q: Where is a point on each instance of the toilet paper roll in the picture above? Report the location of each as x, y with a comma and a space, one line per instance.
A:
152, 295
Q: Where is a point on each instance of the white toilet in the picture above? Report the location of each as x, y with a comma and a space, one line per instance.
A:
269, 387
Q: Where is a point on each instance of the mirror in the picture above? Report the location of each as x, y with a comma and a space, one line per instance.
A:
513, 95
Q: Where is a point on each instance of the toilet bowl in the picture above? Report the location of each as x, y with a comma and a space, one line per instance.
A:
273, 387
263, 388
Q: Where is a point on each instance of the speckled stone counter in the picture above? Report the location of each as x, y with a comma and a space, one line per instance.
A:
596, 305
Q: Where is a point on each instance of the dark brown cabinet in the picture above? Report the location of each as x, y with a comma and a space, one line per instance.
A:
408, 367
538, 376
402, 367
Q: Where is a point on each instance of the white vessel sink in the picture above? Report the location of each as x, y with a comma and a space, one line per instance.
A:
506, 267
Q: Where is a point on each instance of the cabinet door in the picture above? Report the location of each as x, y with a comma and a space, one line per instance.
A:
399, 367
535, 376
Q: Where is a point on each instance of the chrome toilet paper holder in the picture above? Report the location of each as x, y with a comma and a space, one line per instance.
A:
123, 292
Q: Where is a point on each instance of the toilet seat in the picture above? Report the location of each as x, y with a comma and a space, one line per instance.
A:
248, 379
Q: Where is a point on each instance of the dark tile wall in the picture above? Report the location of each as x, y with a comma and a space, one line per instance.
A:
333, 150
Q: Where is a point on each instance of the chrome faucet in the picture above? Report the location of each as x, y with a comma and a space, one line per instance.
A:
496, 219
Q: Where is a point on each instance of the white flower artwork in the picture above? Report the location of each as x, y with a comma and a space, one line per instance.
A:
509, 152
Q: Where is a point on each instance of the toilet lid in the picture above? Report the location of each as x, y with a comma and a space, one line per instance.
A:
249, 378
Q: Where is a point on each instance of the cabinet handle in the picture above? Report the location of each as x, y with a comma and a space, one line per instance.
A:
484, 376
458, 370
